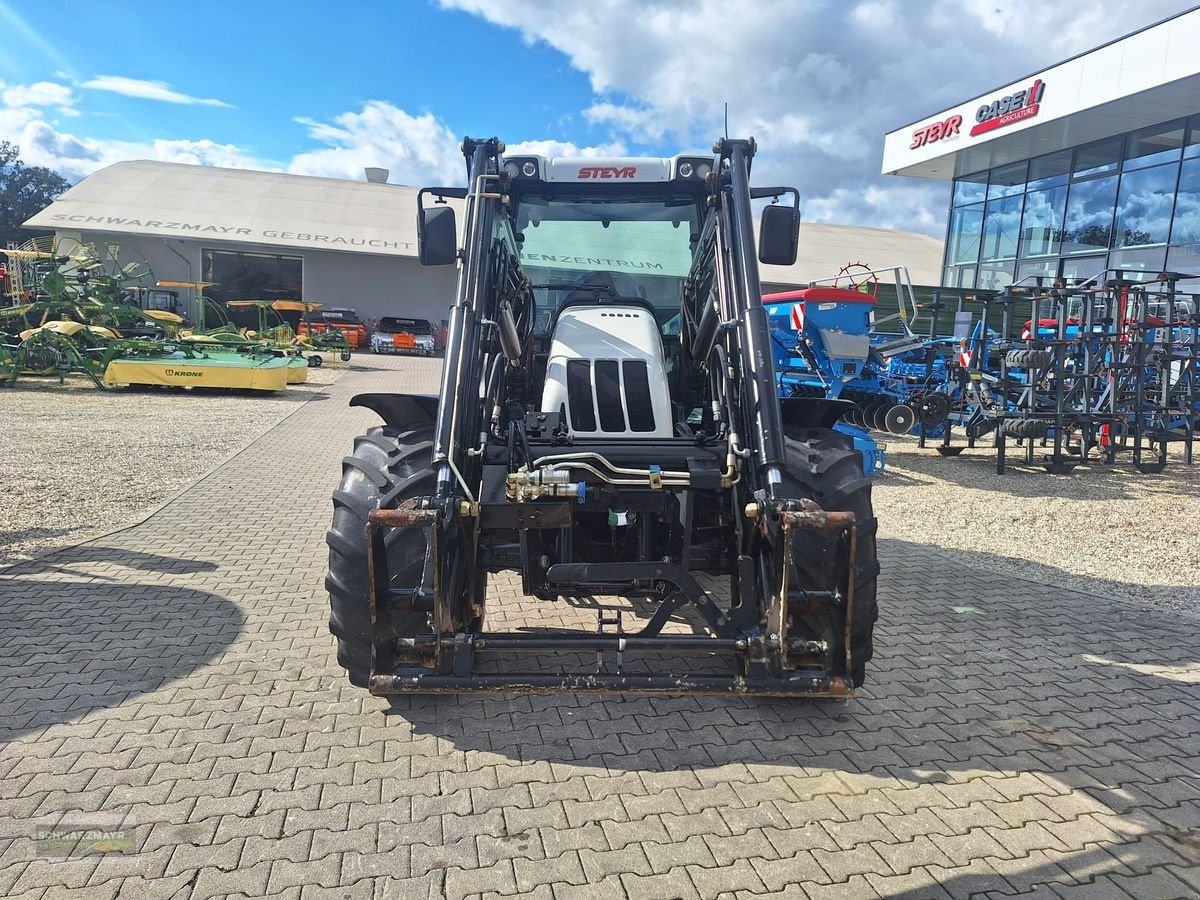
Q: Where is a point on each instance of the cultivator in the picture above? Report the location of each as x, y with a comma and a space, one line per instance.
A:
1108, 370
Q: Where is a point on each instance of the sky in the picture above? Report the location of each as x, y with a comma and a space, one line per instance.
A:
328, 88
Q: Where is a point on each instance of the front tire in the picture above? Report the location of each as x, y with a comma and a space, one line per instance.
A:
822, 465
389, 466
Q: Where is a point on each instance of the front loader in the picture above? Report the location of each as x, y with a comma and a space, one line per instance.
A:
608, 426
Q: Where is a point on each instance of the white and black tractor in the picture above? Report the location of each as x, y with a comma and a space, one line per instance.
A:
608, 426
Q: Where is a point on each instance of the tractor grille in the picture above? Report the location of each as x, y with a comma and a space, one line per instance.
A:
608, 395
579, 394
637, 394
594, 389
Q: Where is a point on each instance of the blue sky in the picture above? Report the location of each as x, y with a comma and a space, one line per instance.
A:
274, 62
324, 88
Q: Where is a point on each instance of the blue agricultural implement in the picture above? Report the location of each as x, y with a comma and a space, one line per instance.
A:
828, 342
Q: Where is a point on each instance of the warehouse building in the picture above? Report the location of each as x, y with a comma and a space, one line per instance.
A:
1088, 166
262, 235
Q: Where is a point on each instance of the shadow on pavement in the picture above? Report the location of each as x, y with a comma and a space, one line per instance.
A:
972, 670
70, 647
58, 561
976, 676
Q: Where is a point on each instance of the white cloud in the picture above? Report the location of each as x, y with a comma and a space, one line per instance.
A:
147, 90
641, 122
818, 84
74, 157
564, 148
39, 94
415, 149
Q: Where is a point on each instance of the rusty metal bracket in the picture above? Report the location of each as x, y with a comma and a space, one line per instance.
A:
410, 514
810, 515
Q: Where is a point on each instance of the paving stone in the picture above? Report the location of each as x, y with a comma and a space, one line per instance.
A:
799, 869
599, 863
676, 884
856, 886
983, 757
467, 882
565, 869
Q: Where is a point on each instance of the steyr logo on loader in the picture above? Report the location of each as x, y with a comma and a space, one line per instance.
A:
607, 172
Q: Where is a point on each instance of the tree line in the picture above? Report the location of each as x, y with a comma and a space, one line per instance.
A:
24, 192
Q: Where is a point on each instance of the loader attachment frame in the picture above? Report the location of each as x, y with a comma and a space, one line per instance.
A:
761, 664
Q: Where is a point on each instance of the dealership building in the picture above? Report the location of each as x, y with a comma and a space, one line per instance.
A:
269, 235
1089, 165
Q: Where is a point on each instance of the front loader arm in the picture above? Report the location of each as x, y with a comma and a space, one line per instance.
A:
757, 360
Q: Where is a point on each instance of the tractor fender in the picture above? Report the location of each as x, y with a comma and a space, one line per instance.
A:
400, 410
812, 412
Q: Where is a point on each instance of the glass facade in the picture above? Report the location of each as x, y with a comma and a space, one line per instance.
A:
1130, 202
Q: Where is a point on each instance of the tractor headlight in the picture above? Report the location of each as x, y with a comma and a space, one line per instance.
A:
694, 169
521, 167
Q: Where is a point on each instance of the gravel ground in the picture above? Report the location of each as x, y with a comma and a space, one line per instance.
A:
1105, 530
76, 461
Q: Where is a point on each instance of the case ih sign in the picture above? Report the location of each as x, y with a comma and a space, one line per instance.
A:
1014, 107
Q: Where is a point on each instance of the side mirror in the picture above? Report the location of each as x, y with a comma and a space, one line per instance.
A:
437, 238
779, 235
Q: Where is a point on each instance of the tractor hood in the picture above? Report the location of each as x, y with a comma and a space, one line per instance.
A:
606, 367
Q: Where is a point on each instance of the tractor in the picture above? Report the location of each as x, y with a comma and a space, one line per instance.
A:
607, 426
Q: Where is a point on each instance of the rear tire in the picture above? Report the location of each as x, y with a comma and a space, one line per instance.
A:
389, 465
822, 465
1026, 428
1029, 359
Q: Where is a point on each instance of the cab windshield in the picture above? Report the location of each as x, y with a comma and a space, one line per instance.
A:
634, 248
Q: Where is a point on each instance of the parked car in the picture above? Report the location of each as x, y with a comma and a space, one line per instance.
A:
344, 320
396, 335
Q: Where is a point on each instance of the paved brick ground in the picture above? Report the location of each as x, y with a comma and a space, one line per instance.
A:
174, 686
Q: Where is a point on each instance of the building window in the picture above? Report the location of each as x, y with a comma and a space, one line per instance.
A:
1097, 158
966, 226
1045, 269
1144, 206
1041, 228
1089, 215
1186, 228
1081, 268
1192, 147
970, 189
1007, 180
1049, 171
1151, 146
1001, 228
995, 275
1138, 264
959, 277
1185, 258
252, 276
